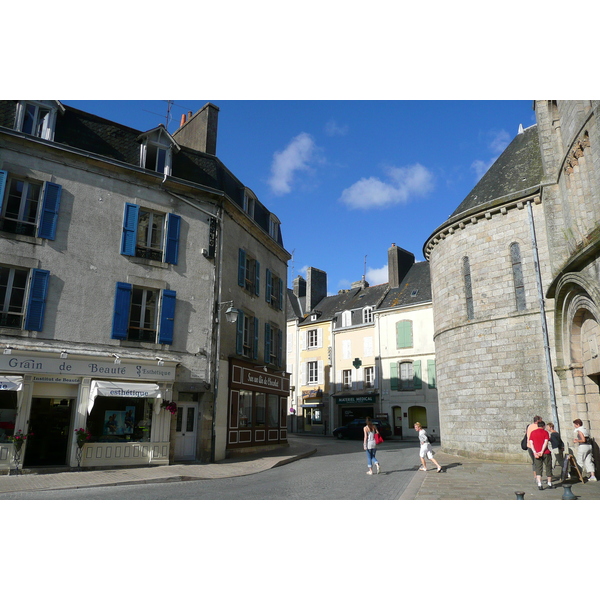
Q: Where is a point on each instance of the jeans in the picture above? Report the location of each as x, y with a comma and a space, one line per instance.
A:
371, 457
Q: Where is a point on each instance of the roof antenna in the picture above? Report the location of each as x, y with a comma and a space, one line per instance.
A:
365, 271
168, 117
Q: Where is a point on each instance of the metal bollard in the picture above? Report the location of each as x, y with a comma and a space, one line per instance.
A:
568, 494
520, 495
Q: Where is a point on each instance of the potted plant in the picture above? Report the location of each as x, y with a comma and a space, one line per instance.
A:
18, 439
170, 406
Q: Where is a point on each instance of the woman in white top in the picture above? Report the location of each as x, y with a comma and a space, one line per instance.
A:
370, 446
426, 450
584, 451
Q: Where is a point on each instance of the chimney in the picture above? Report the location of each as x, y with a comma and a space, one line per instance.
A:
399, 263
199, 131
299, 287
316, 287
182, 122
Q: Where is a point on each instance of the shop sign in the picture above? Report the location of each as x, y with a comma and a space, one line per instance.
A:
306, 394
52, 379
84, 368
256, 378
356, 400
11, 384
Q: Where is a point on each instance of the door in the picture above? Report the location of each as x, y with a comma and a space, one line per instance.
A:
50, 423
186, 431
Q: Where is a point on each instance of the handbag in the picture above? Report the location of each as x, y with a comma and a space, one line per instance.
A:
378, 438
524, 445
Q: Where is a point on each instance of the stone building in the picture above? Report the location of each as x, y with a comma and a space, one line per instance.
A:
515, 289
120, 253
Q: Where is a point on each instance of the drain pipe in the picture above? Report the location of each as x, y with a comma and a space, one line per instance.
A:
540, 288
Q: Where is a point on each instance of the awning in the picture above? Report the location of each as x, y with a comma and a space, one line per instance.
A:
12, 384
122, 389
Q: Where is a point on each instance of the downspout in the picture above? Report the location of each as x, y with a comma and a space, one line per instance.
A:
543, 317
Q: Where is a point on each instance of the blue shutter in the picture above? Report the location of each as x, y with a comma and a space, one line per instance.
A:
173, 226
431, 374
279, 347
267, 343
167, 317
268, 285
417, 380
36, 305
49, 213
241, 268
255, 347
239, 337
3, 178
130, 223
281, 294
257, 279
121, 312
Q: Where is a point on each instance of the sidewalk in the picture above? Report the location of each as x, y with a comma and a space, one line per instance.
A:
462, 478
470, 479
233, 467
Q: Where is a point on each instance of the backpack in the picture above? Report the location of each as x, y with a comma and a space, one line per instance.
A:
430, 438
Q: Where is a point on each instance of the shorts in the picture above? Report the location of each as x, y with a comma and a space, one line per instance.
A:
426, 451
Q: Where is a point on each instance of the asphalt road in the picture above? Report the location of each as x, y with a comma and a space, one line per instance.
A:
336, 472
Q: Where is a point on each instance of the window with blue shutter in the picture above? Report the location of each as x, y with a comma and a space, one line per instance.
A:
256, 290
267, 343
121, 310
268, 285
49, 212
239, 337
255, 345
394, 376
167, 317
172, 249
241, 268
3, 179
130, 223
418, 382
36, 305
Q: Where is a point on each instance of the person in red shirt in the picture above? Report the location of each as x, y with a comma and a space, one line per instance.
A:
542, 457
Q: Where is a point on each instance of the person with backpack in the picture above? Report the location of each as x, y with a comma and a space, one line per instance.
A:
532, 427
557, 446
426, 450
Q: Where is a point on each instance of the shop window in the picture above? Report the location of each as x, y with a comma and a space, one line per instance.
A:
150, 234
274, 290
143, 314
260, 413
272, 410
29, 207
8, 414
245, 408
123, 419
248, 272
23, 297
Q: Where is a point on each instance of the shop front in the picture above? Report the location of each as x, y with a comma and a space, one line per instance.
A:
354, 406
314, 412
119, 407
257, 406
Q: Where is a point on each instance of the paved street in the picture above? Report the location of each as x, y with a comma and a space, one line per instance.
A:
311, 468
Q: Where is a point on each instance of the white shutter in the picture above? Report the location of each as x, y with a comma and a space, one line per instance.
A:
319, 338
368, 345
347, 349
321, 372
338, 381
303, 373
302, 333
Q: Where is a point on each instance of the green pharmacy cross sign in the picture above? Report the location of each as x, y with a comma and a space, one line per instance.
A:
357, 363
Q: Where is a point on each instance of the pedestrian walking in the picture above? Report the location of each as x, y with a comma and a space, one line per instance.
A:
426, 451
542, 457
530, 428
584, 449
557, 446
370, 446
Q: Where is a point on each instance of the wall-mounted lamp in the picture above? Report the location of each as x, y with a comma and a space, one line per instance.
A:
161, 362
231, 314
117, 359
8, 350
64, 354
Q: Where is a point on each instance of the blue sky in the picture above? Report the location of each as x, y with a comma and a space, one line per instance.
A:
348, 178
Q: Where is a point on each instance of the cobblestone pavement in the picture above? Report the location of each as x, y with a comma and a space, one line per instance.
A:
461, 479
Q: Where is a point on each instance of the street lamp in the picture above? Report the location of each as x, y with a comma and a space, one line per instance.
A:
231, 314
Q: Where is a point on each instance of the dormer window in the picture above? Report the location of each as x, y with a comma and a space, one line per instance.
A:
274, 223
249, 203
156, 151
36, 117
368, 314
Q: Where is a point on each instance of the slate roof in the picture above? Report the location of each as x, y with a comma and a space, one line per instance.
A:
518, 168
381, 297
96, 135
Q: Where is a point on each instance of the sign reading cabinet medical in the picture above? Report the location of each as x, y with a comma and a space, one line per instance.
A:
84, 368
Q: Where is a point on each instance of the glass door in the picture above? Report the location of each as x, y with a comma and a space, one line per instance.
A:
185, 431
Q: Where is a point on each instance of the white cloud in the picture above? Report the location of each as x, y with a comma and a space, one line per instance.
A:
500, 141
480, 167
297, 156
332, 128
403, 184
377, 276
